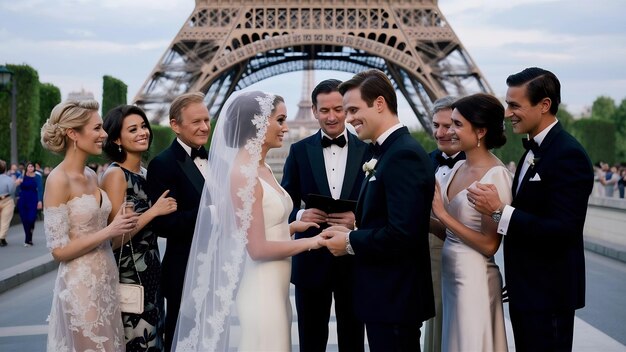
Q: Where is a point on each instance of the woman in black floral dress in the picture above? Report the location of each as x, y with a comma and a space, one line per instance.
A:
129, 137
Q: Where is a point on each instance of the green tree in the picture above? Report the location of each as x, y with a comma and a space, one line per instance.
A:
114, 93
27, 99
603, 108
425, 139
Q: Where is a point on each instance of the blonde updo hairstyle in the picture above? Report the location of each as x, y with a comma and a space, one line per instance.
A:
72, 114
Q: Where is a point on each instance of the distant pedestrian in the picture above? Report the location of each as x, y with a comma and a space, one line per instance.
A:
30, 197
7, 204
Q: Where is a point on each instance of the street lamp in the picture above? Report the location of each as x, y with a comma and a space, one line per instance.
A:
6, 79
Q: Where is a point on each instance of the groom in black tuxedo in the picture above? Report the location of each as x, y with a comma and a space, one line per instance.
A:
393, 290
179, 169
543, 227
327, 163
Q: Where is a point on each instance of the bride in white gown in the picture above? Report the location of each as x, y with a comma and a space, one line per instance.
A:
240, 261
473, 318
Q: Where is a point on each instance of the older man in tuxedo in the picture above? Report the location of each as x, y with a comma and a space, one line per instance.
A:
443, 158
543, 227
327, 163
181, 170
392, 286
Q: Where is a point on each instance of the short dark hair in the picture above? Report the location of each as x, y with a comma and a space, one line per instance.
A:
372, 84
484, 111
540, 84
3, 166
325, 87
113, 122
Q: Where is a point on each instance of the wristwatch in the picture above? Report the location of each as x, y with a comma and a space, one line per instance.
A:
348, 246
496, 216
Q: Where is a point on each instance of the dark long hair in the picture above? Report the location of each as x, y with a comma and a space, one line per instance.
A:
113, 122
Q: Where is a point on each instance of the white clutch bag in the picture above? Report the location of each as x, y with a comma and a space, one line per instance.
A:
131, 298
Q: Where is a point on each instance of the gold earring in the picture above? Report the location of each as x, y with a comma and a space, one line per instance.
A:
478, 143
119, 147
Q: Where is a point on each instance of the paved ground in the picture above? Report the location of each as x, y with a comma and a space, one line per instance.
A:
27, 277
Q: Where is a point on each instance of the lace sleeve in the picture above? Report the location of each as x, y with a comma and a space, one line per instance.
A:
56, 226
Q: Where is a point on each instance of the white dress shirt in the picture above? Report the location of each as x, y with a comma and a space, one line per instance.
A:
443, 171
201, 164
335, 161
507, 212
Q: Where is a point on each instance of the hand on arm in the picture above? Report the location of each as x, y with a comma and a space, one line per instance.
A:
436, 226
485, 198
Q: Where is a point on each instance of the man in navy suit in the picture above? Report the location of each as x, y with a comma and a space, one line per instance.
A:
444, 158
327, 163
543, 227
179, 169
393, 290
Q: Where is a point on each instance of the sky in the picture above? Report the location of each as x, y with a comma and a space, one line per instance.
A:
73, 43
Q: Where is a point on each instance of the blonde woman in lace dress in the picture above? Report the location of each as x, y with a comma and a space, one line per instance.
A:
85, 314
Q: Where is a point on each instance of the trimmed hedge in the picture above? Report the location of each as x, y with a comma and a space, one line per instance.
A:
27, 100
114, 93
49, 97
597, 137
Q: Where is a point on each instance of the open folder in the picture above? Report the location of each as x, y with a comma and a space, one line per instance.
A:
329, 204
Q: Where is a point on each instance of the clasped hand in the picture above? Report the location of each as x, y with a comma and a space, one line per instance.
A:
334, 238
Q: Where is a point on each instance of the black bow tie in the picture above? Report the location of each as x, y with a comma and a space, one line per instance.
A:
530, 144
375, 149
199, 153
339, 141
449, 162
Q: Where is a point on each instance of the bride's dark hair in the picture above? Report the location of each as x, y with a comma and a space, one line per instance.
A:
239, 126
484, 111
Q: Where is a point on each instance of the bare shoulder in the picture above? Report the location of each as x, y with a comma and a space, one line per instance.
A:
112, 175
57, 188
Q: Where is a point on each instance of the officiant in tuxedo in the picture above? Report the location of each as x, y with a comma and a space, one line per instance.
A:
179, 169
392, 289
443, 158
543, 227
327, 163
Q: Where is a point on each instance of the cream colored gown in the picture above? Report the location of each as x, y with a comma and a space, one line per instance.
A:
473, 318
263, 302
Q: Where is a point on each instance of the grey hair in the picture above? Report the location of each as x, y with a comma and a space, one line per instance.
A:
444, 103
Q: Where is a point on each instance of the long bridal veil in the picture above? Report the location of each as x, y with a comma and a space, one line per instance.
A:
218, 250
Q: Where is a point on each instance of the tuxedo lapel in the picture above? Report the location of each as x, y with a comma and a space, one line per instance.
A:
516, 179
545, 146
355, 152
188, 166
315, 153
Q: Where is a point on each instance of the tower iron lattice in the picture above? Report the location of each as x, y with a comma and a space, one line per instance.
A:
227, 45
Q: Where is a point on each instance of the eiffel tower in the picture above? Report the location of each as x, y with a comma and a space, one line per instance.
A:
227, 45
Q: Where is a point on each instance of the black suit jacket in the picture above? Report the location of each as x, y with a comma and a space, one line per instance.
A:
392, 269
543, 248
304, 173
173, 169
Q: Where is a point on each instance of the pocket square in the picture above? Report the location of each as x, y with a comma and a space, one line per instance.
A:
535, 178
373, 178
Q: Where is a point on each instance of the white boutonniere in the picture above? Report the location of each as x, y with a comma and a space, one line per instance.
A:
369, 167
532, 162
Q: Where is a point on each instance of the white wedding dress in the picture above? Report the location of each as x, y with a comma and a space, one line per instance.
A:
473, 318
85, 313
263, 304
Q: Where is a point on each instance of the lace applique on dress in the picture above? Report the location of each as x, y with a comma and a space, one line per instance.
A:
56, 226
85, 313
